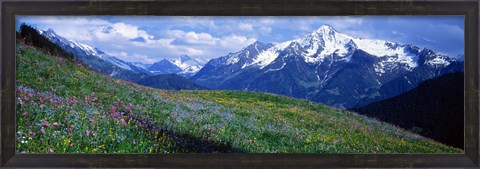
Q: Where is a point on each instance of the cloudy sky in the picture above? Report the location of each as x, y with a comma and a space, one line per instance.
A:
151, 38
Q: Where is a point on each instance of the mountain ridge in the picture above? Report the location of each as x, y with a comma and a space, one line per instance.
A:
185, 65
311, 65
314, 67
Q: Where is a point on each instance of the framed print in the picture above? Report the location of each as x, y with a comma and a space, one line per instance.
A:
239, 84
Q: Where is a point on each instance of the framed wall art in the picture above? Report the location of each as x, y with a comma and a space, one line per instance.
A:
239, 84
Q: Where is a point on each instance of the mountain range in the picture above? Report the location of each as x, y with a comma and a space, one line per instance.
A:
115, 67
328, 67
183, 65
323, 66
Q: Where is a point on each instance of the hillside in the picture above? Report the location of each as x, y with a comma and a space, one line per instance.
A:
65, 107
440, 118
170, 82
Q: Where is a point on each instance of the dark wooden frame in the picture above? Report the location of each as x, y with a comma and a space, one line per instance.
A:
10, 8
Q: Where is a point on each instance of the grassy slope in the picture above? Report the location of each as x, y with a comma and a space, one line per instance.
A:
90, 112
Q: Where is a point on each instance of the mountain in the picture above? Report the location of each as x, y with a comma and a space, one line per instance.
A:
97, 59
145, 74
170, 82
163, 67
184, 66
190, 66
64, 107
140, 65
328, 67
434, 109
219, 71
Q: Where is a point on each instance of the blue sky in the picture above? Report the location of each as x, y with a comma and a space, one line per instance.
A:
149, 39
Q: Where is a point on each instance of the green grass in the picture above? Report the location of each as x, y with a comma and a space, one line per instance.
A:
94, 113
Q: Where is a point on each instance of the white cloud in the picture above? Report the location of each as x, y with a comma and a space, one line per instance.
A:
68, 26
192, 38
235, 41
129, 31
132, 57
428, 40
147, 39
199, 38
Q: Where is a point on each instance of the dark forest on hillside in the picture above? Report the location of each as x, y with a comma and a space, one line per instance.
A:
434, 109
31, 36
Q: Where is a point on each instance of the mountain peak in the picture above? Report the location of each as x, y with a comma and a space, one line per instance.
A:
326, 26
325, 29
50, 31
184, 57
260, 44
257, 42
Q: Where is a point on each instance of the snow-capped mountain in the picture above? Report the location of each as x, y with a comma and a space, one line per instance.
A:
94, 57
97, 59
164, 67
217, 70
189, 65
329, 67
325, 42
184, 66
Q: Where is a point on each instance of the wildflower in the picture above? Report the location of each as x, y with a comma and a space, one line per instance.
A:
31, 133
87, 132
112, 109
71, 144
25, 113
42, 131
134, 142
122, 121
70, 128
129, 107
90, 120
301, 121
42, 105
55, 124
46, 124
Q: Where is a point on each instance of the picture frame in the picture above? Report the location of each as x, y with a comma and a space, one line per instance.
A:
11, 8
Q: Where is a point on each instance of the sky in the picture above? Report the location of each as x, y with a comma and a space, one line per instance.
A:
149, 39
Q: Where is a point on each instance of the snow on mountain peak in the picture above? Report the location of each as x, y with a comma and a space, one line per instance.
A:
187, 64
266, 57
51, 35
325, 29
326, 41
249, 55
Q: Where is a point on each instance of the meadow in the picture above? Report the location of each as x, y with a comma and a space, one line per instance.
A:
65, 107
